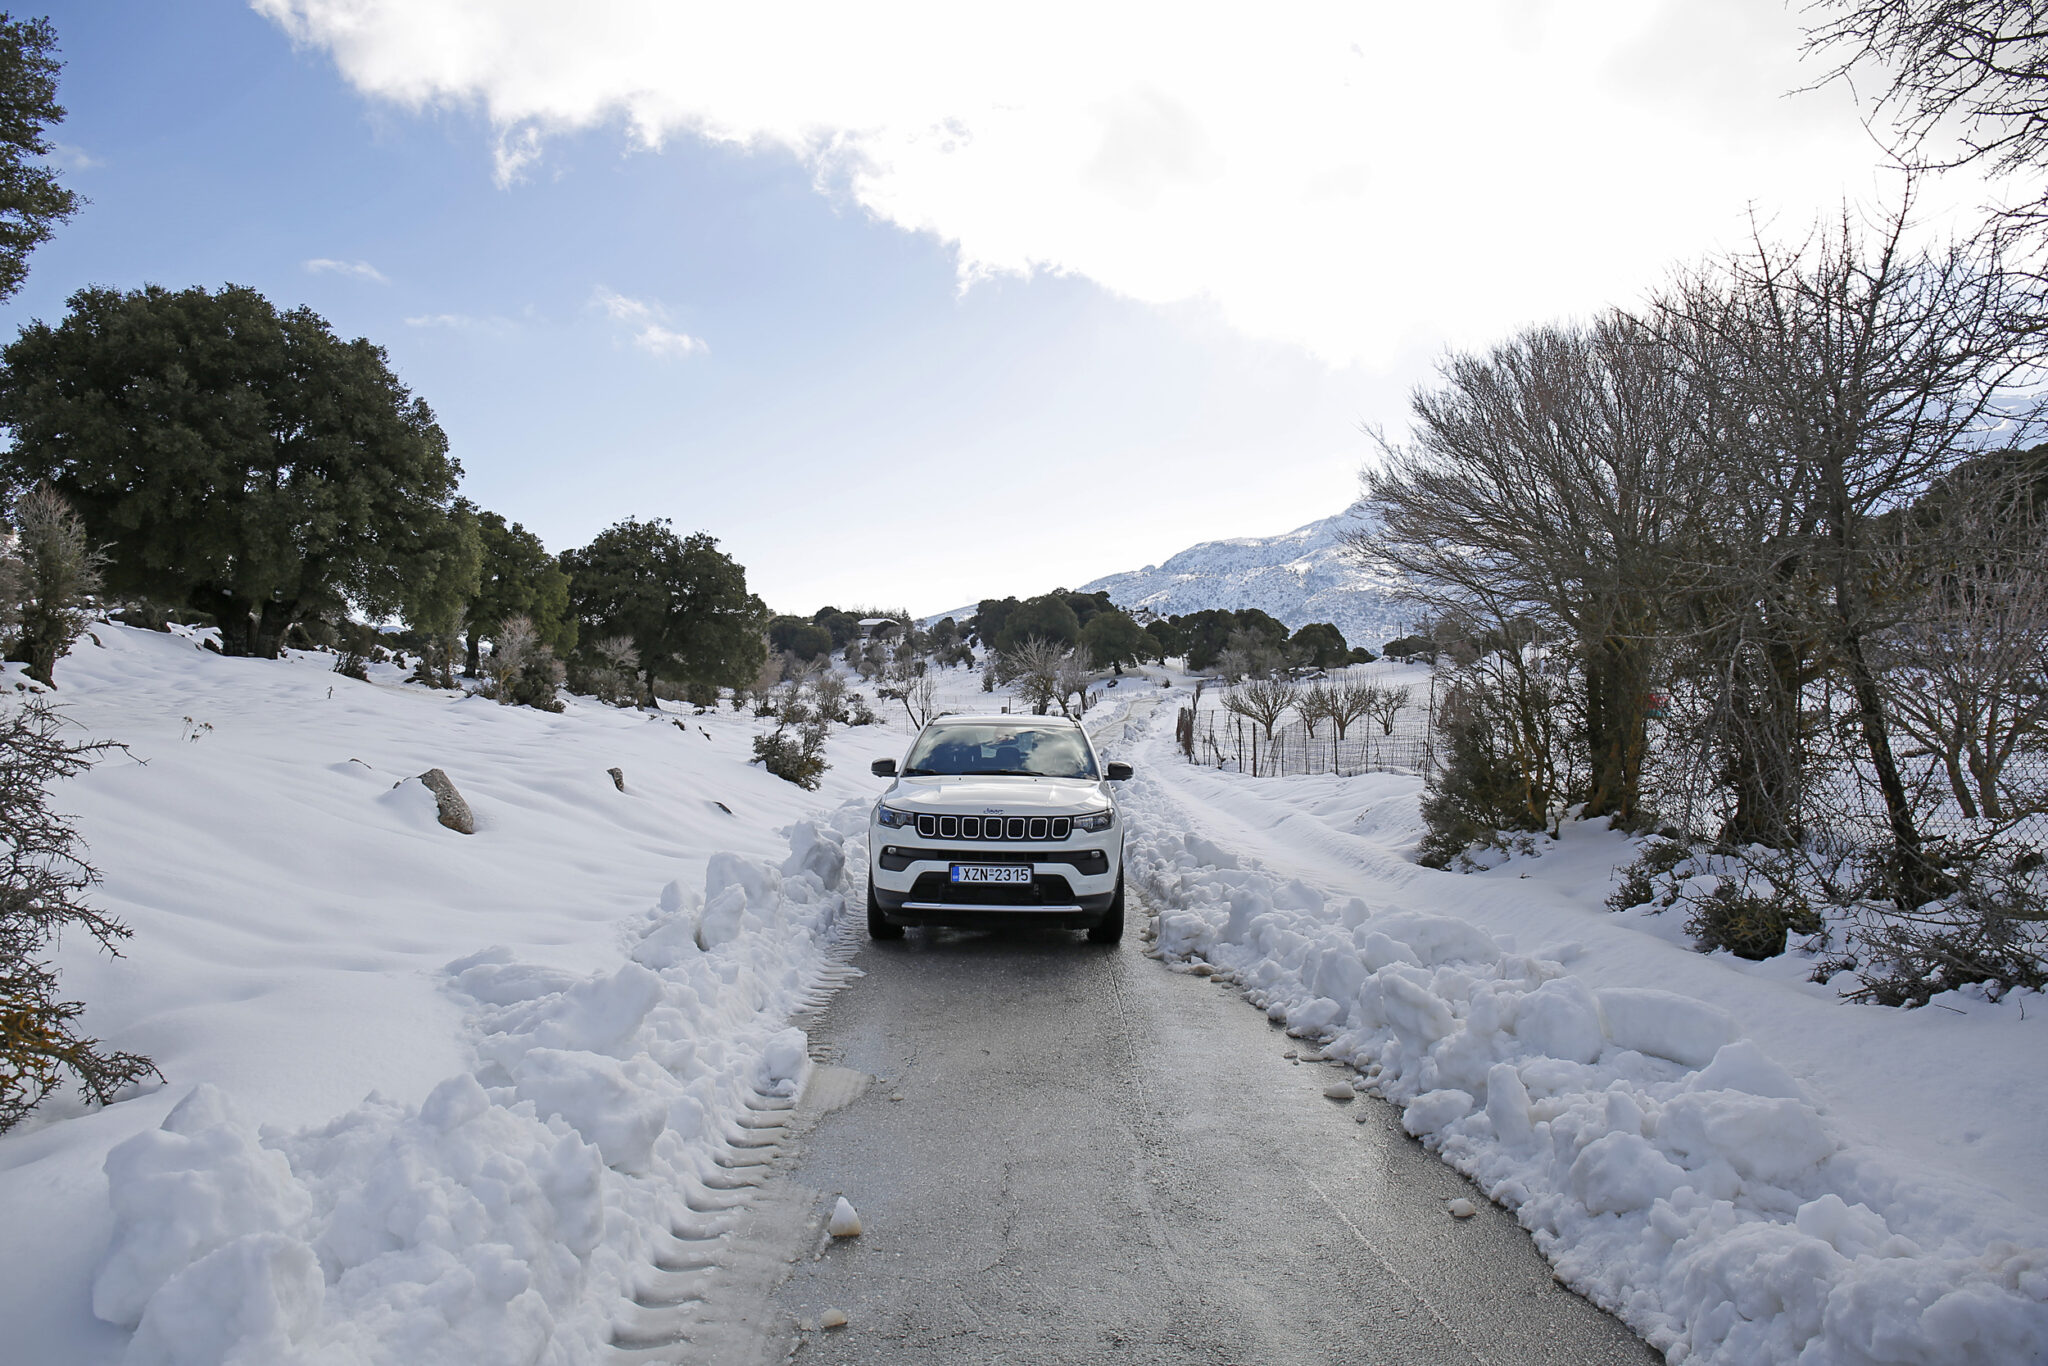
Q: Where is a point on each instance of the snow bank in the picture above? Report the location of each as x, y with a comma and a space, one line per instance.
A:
501, 1219
1671, 1170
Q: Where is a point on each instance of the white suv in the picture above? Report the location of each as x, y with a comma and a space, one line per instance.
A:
994, 820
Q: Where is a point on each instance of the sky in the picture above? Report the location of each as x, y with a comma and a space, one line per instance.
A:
911, 305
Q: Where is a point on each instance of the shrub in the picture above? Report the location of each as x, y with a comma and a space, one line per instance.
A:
58, 572
521, 670
1748, 924
1640, 879
41, 879
1480, 790
357, 648
797, 758
1989, 932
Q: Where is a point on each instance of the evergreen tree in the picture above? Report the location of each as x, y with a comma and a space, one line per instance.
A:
230, 458
1113, 639
32, 203
682, 602
1048, 618
1320, 643
516, 578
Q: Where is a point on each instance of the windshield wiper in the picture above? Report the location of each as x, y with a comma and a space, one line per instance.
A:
920, 773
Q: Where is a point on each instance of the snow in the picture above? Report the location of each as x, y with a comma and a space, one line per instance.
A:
1737, 1163
439, 1098
431, 1097
1296, 577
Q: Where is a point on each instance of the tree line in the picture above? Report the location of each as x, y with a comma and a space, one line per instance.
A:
241, 465
1764, 550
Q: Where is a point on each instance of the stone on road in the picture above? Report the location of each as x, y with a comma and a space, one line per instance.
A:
1096, 1160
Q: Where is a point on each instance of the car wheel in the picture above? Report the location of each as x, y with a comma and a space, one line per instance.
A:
878, 928
1111, 927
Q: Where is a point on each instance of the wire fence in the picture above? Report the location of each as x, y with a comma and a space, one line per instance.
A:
1404, 740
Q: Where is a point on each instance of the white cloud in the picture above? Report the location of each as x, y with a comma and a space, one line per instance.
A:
646, 320
362, 270
73, 157
1364, 181
662, 342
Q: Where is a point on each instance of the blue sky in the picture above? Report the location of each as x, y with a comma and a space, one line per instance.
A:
914, 322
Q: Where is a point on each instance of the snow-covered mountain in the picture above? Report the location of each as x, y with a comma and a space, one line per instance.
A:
1299, 576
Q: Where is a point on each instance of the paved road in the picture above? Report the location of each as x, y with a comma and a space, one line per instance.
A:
1072, 1154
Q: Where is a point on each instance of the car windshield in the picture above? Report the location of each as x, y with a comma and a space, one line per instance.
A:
1001, 747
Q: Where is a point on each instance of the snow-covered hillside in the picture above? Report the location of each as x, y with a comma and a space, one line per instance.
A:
1299, 576
428, 1097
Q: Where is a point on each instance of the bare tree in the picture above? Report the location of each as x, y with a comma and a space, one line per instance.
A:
1384, 706
1857, 370
1035, 667
1555, 476
1979, 67
1967, 676
1351, 701
1073, 680
1315, 703
1261, 700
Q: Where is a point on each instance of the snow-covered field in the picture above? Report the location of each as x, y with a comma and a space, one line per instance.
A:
444, 1098
1742, 1166
430, 1097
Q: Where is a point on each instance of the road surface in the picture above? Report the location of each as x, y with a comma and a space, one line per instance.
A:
1070, 1153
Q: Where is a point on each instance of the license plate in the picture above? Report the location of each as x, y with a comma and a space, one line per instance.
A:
991, 872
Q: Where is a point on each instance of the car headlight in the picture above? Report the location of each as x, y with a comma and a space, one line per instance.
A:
1094, 821
891, 819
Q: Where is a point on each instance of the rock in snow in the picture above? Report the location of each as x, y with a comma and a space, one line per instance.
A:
845, 1221
1339, 1090
455, 812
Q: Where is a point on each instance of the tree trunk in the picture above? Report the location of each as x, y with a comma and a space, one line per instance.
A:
1918, 881
233, 615
473, 657
276, 619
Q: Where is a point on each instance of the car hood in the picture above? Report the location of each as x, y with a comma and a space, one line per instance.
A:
984, 796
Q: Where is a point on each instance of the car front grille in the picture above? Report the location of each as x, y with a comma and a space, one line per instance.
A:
995, 828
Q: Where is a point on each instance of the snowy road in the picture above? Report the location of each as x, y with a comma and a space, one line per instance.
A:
1070, 1154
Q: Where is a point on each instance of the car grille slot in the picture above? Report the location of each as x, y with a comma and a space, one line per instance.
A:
1019, 828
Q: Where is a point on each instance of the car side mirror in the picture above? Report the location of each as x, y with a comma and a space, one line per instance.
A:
883, 768
1117, 773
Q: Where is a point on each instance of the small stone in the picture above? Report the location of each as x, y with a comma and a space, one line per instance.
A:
1290, 1054
845, 1221
894, 1099
1202, 969
618, 778
806, 1326
1461, 1208
1339, 1090
832, 1318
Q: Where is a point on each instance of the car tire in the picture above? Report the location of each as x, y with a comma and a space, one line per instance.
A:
1110, 928
879, 928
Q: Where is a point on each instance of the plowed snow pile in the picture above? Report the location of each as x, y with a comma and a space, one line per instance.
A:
1634, 1103
431, 1097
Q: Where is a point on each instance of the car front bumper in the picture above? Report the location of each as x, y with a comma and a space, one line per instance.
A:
1069, 886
